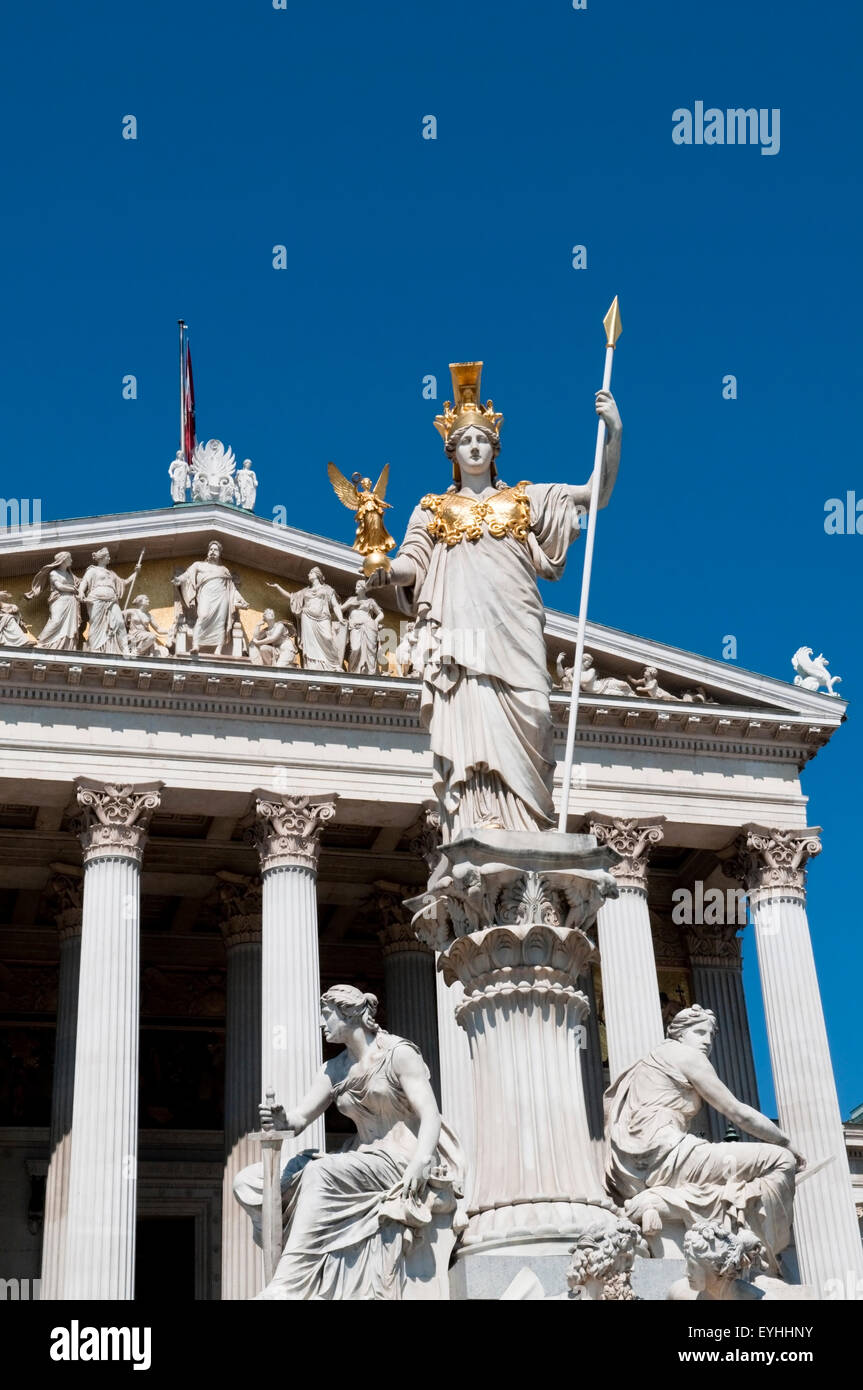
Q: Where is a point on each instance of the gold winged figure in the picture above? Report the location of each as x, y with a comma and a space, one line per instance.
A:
373, 540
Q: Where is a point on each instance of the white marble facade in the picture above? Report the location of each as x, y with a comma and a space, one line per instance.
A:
682, 789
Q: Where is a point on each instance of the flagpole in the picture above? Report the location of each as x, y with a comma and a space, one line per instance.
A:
612, 326
182, 327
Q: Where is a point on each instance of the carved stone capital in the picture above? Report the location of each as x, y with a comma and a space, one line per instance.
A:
395, 933
241, 899
715, 946
65, 891
772, 862
426, 837
519, 964
287, 831
633, 841
114, 819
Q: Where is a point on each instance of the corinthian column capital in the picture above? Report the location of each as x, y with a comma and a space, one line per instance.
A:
633, 841
241, 901
114, 819
287, 831
66, 897
395, 934
714, 945
772, 862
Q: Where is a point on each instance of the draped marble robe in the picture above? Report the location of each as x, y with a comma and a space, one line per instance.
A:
208, 589
480, 631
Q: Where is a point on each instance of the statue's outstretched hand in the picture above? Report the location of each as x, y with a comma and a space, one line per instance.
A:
801, 1161
606, 409
401, 573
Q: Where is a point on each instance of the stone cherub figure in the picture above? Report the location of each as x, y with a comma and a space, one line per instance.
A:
374, 1221
468, 570
661, 1171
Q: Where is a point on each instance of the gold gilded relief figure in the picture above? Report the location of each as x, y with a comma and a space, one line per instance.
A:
373, 540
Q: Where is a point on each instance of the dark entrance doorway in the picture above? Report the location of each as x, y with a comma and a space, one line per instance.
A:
165, 1259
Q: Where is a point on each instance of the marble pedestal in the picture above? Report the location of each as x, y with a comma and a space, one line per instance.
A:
505, 911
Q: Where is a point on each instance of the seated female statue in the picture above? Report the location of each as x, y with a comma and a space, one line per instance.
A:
374, 1221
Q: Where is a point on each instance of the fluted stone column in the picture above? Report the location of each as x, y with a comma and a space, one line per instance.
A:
242, 1270
67, 888
772, 866
288, 831
409, 974
100, 1223
717, 983
633, 1017
505, 912
456, 1078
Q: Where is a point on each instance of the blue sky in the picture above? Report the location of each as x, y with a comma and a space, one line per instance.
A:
302, 127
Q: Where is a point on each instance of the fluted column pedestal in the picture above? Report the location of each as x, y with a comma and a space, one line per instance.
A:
409, 976
505, 912
633, 1017
242, 1270
717, 983
288, 831
771, 864
100, 1223
67, 888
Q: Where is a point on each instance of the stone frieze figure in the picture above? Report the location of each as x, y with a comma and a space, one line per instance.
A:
143, 630
273, 642
322, 626
467, 570
58, 583
208, 590
364, 616
374, 1221
13, 629
659, 1170
101, 591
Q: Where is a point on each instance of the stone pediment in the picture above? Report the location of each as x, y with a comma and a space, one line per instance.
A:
689, 688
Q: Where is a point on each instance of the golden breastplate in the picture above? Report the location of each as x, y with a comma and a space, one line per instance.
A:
455, 517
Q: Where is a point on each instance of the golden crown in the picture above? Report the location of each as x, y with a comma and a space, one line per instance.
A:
467, 410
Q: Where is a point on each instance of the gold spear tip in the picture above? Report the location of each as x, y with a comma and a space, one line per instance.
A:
612, 324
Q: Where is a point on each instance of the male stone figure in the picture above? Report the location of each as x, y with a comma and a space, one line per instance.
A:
178, 472
101, 591
207, 588
246, 486
658, 1169
323, 630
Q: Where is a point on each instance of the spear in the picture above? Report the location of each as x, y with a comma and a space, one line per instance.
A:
133, 576
612, 325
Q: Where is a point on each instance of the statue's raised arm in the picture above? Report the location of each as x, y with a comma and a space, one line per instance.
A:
467, 570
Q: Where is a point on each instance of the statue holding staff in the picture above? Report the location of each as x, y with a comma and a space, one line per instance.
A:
468, 570
101, 590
